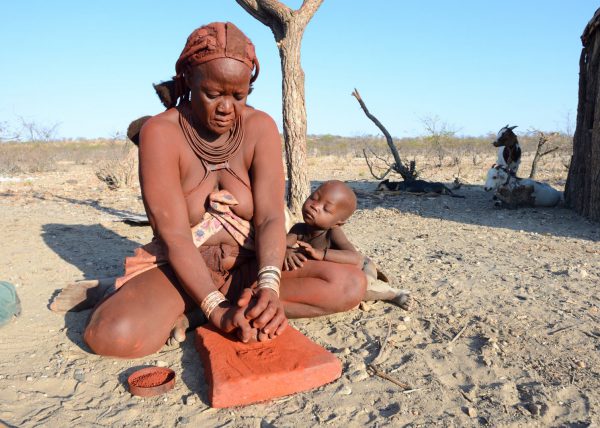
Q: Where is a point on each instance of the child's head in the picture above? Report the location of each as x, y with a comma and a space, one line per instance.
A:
329, 206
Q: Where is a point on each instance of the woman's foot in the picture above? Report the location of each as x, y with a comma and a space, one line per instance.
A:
184, 323
81, 295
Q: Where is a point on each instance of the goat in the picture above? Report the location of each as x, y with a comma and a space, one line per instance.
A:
417, 186
515, 191
509, 151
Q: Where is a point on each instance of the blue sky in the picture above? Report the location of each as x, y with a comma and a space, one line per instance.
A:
475, 64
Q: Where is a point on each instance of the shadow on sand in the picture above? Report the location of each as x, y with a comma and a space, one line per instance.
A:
96, 251
477, 208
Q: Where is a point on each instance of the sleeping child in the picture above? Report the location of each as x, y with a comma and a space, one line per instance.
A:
320, 237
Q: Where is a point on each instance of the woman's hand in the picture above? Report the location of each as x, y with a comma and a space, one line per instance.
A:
232, 318
312, 252
265, 313
294, 259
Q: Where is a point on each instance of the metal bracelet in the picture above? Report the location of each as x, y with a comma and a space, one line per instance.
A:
211, 301
269, 269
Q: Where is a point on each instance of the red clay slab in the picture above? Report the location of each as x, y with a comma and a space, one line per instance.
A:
239, 373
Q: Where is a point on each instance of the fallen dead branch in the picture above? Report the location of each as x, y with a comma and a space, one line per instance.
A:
385, 376
408, 173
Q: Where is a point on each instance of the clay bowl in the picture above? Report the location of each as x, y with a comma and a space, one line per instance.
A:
151, 381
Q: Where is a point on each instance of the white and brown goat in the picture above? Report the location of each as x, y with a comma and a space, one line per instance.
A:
509, 151
515, 192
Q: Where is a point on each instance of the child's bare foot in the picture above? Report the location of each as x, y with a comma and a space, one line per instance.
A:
81, 295
403, 299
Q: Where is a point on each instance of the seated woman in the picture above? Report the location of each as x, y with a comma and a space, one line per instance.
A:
212, 182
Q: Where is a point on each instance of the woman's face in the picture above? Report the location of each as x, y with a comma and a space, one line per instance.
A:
219, 89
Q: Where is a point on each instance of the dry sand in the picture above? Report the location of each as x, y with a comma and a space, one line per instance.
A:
504, 331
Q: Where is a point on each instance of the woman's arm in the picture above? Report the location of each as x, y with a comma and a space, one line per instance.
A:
268, 185
167, 211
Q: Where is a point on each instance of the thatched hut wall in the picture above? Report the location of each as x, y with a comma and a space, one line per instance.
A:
582, 190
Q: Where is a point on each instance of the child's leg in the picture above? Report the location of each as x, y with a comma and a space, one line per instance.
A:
378, 289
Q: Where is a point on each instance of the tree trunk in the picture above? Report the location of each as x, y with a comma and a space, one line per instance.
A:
288, 27
294, 117
582, 190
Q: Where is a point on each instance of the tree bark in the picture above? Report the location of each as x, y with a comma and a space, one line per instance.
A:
582, 190
288, 27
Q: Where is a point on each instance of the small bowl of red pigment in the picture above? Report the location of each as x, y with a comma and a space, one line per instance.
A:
151, 381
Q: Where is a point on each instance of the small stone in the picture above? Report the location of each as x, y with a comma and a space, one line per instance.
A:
405, 319
344, 390
191, 399
401, 327
29, 379
533, 408
358, 376
79, 375
364, 306
580, 364
471, 412
583, 273
182, 420
160, 363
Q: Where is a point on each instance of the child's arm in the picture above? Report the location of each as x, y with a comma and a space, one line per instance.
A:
293, 259
341, 251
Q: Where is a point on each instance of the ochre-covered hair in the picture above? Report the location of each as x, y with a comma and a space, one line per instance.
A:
211, 41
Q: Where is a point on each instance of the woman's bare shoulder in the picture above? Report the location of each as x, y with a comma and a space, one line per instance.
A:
255, 117
160, 128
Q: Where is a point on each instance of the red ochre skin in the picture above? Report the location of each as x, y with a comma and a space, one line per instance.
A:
239, 374
151, 381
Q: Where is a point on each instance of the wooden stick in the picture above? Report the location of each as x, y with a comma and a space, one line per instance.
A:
462, 330
384, 343
408, 391
560, 330
385, 376
465, 395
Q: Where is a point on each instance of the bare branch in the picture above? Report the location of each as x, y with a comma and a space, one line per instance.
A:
308, 10
539, 152
547, 152
371, 168
386, 161
267, 11
398, 165
254, 9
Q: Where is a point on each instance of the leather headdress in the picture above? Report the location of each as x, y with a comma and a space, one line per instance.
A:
212, 41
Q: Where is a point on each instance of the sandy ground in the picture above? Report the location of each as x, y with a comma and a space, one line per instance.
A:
504, 331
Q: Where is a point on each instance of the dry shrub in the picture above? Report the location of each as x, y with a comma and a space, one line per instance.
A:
120, 170
30, 158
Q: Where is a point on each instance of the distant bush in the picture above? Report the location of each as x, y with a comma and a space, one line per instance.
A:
28, 158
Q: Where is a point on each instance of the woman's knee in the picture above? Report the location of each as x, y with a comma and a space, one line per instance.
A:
113, 336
